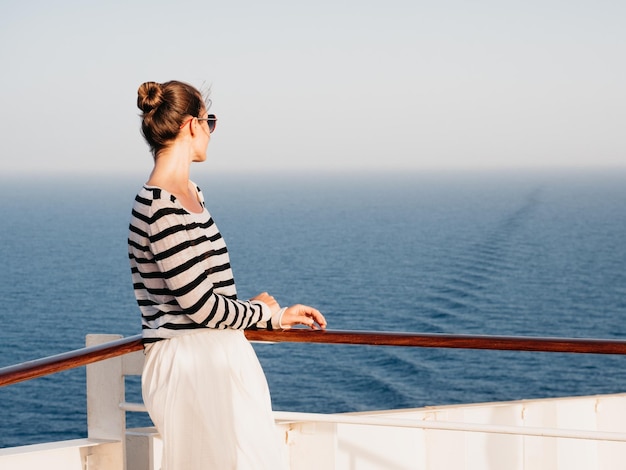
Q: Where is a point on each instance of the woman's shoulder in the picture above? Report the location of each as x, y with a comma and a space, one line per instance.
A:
156, 193
153, 199
156, 202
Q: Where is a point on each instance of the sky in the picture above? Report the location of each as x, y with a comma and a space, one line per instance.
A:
318, 85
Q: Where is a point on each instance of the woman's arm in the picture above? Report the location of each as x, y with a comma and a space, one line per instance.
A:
192, 261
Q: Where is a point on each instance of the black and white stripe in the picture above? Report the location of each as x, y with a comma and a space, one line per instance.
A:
181, 270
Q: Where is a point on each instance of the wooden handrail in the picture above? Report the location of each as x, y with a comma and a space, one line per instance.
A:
440, 340
81, 357
68, 360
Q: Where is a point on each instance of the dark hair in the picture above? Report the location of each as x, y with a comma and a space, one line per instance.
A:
165, 107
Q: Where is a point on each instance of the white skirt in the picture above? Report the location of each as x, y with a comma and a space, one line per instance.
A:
209, 400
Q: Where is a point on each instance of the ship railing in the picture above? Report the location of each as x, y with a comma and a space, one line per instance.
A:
111, 446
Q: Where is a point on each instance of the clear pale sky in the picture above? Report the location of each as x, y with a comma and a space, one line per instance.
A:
335, 84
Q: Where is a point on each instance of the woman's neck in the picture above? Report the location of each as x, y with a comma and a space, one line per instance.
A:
171, 172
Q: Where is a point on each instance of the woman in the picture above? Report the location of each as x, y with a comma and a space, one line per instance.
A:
202, 382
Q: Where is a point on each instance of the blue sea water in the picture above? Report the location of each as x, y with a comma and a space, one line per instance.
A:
502, 253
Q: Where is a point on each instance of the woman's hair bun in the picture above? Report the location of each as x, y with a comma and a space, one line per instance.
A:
165, 108
149, 96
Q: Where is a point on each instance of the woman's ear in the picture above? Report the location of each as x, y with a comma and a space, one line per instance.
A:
193, 129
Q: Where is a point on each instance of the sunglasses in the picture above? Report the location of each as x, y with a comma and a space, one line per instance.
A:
211, 120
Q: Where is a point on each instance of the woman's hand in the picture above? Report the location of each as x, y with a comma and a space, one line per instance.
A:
269, 301
303, 315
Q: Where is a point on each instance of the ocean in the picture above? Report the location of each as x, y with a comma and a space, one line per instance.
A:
498, 253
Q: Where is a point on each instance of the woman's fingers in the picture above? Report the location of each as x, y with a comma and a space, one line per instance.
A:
317, 318
303, 315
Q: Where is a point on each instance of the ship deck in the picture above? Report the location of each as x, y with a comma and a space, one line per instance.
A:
570, 433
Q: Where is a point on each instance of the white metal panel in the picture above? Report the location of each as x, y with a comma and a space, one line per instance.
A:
363, 447
312, 446
64, 455
573, 454
611, 412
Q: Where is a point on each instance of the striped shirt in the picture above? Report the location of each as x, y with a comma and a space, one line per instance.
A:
181, 270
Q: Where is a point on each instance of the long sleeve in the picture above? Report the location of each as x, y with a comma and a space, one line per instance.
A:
181, 271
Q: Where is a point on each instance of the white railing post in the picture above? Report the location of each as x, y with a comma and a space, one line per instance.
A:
105, 392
